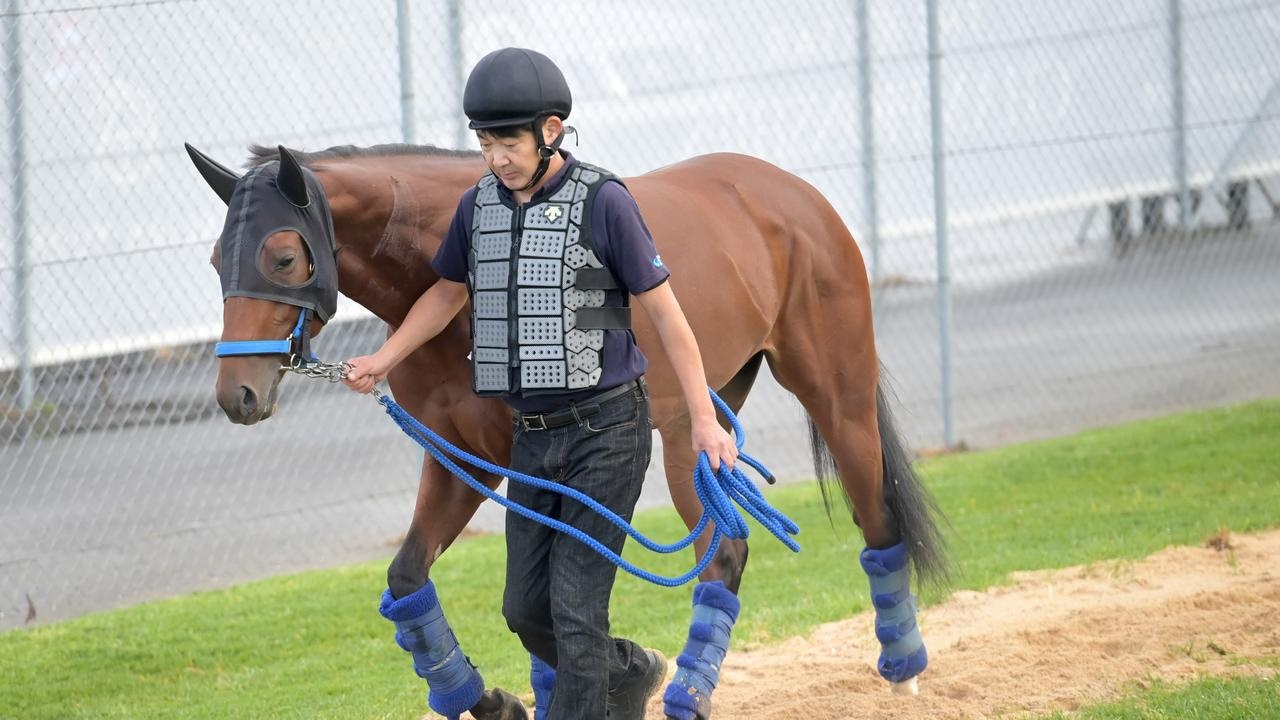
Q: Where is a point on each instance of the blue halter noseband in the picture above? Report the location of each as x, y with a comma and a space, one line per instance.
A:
297, 346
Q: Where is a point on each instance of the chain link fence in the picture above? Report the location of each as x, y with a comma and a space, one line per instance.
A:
1108, 175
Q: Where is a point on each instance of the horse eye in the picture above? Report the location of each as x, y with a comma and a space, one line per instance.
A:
284, 262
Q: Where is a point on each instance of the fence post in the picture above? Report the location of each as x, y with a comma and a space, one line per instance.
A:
940, 222
454, 32
18, 165
867, 120
403, 35
1178, 88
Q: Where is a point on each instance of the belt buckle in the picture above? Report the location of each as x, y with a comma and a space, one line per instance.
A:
542, 422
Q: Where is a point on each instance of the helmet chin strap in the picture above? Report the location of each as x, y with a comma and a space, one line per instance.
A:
545, 151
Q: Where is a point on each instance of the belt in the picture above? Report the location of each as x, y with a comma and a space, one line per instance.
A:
576, 412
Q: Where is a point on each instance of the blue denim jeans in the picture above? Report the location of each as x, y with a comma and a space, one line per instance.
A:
557, 593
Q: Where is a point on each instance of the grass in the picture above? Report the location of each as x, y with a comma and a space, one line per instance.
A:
1204, 699
312, 645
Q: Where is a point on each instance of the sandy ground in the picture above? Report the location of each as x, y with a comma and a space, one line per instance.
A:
1053, 640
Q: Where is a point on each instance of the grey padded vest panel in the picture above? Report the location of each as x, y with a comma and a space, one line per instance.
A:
538, 310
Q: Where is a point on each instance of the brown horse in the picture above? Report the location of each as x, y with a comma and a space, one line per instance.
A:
761, 263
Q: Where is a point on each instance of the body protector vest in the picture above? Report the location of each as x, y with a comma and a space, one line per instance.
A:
538, 311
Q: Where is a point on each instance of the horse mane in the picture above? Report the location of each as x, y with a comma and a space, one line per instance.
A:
259, 154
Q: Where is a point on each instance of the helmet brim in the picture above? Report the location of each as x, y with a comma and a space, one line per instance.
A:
502, 122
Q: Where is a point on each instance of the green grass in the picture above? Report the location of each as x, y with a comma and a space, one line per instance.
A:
313, 645
1203, 699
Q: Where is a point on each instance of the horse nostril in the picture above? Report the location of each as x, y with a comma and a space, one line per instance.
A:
248, 402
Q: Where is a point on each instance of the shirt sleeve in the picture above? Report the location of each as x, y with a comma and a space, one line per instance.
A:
625, 244
450, 261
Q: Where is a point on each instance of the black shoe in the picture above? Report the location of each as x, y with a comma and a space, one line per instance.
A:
628, 700
498, 704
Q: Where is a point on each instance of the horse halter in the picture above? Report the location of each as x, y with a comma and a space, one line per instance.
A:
302, 360
297, 346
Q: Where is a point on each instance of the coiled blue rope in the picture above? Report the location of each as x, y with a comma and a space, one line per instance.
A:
718, 491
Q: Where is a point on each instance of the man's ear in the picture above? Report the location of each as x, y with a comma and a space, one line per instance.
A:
551, 129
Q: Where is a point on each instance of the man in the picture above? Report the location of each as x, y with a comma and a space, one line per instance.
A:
549, 251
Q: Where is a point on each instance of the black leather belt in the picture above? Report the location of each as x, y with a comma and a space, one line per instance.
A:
576, 412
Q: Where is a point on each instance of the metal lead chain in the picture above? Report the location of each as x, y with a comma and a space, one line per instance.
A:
333, 372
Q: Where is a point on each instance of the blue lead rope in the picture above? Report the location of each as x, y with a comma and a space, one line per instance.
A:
717, 491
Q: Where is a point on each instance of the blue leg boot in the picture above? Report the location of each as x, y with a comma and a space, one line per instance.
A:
902, 653
715, 610
422, 629
542, 677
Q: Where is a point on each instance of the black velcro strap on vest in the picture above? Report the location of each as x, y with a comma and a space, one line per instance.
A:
590, 278
604, 318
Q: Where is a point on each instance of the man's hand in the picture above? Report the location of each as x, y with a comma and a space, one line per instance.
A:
426, 318
366, 371
708, 436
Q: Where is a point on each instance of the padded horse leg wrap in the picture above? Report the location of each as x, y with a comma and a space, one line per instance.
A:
902, 653
542, 677
422, 629
715, 610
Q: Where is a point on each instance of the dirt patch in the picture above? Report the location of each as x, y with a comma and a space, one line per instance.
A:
1053, 640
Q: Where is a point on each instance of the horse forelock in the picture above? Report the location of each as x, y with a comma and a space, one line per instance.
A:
260, 154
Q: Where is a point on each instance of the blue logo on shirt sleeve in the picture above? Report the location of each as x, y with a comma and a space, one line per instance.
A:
657, 261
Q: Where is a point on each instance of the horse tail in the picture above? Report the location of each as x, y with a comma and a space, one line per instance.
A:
911, 506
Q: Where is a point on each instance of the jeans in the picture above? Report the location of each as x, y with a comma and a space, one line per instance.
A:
557, 593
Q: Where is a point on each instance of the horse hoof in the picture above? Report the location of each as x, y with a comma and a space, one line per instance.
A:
498, 704
906, 687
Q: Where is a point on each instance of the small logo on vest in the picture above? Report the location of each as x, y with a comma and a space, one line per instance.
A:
552, 212
657, 261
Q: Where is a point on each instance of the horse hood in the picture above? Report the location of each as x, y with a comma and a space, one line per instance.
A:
263, 205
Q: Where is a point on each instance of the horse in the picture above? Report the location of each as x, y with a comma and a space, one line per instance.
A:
766, 272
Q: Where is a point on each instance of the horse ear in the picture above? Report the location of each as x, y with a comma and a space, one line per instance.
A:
291, 181
222, 180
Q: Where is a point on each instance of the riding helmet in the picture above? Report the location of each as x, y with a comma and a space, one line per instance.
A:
514, 86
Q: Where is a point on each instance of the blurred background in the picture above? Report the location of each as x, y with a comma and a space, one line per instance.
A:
1068, 211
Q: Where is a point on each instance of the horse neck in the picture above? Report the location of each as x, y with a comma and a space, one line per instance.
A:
390, 215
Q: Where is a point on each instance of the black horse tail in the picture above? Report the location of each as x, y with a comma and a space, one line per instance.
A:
912, 507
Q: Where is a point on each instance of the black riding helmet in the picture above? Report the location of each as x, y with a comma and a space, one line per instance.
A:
513, 87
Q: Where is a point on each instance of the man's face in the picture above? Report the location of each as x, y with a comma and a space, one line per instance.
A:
512, 159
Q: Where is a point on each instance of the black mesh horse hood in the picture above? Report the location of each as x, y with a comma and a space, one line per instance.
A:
271, 198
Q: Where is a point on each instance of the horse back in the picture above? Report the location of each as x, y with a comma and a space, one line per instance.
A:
749, 245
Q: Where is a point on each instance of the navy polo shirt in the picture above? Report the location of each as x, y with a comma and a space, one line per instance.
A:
623, 243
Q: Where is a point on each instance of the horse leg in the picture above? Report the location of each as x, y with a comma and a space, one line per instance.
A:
715, 601
730, 560
839, 388
842, 407
444, 506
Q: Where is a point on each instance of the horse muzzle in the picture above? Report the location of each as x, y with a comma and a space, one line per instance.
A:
244, 400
